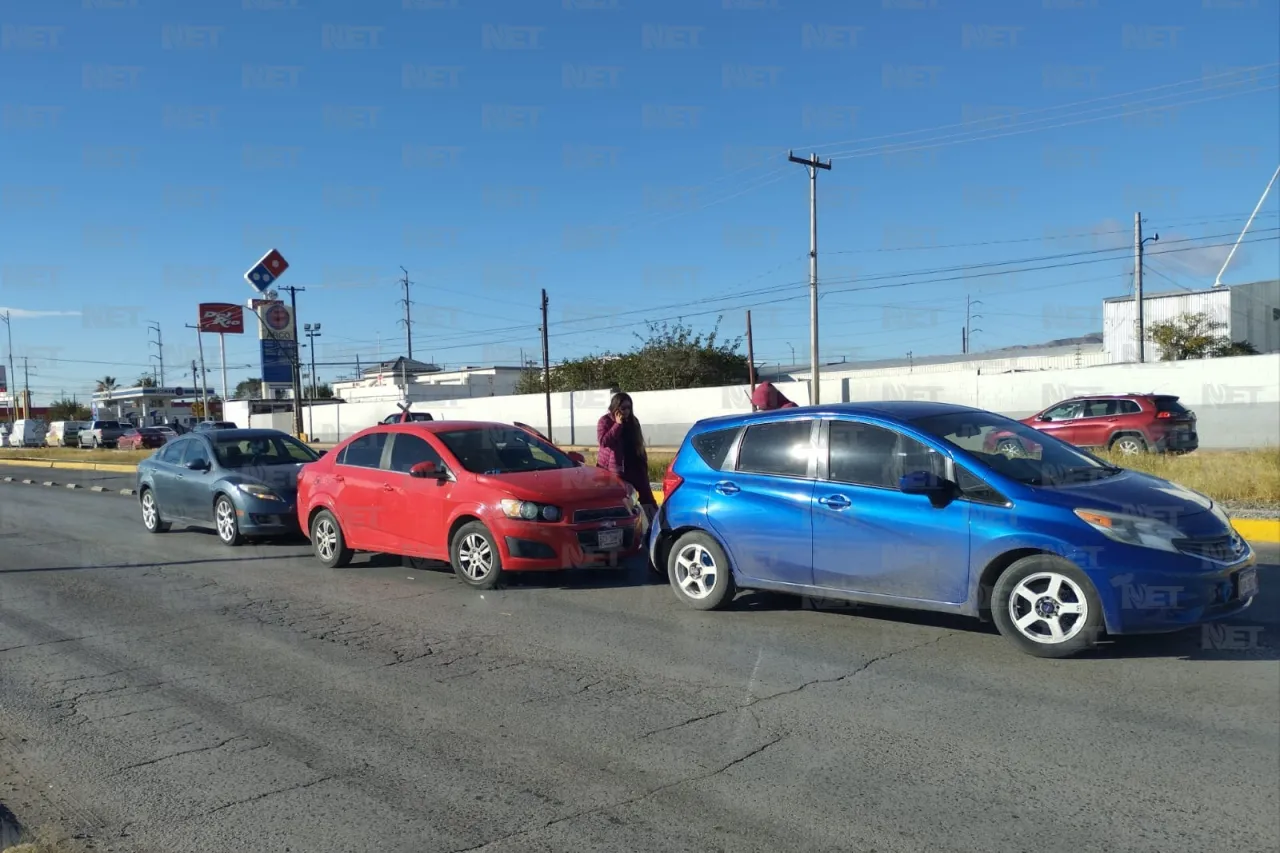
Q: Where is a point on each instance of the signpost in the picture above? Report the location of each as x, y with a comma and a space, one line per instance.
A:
222, 319
277, 329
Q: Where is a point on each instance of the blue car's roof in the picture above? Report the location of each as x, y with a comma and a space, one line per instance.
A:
221, 435
894, 410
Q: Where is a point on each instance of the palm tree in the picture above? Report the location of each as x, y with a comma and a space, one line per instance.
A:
106, 385
146, 380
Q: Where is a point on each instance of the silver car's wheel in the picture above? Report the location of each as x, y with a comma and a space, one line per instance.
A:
327, 541
696, 571
224, 514
699, 572
151, 513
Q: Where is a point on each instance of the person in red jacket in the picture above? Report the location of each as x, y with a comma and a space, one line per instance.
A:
766, 398
621, 449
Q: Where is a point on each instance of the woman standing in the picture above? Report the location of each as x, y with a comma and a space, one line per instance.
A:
622, 449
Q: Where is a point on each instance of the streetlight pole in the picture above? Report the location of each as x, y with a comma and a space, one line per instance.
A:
312, 331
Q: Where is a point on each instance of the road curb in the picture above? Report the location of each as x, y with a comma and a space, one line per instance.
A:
128, 492
1258, 529
111, 467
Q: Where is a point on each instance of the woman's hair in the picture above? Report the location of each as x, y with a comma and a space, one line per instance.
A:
632, 426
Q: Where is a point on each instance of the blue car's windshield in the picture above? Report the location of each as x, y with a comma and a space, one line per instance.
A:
1016, 450
261, 450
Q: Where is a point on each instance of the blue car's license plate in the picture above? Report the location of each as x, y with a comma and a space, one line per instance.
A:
1247, 583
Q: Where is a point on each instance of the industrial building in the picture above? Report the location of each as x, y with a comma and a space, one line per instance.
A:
1248, 312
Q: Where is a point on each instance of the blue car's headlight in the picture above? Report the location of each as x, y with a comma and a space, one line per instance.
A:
1132, 529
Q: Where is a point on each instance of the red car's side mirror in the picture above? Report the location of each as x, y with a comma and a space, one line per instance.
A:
429, 471
577, 457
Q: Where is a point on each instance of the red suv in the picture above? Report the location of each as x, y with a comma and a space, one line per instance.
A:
1126, 423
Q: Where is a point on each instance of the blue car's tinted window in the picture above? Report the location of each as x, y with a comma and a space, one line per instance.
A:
867, 455
196, 452
714, 446
172, 453
781, 448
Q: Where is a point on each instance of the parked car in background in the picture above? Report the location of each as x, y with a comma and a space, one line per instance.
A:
142, 438
903, 504
242, 483
489, 498
28, 432
208, 426
1125, 423
64, 433
98, 434
407, 417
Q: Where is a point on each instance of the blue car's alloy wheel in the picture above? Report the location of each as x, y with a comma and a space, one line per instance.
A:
698, 569
224, 515
1047, 607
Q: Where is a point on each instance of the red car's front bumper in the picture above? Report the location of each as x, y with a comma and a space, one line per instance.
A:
536, 546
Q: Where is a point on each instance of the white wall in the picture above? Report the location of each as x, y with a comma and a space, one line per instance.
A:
1237, 400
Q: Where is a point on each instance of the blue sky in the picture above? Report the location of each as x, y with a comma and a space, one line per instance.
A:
630, 158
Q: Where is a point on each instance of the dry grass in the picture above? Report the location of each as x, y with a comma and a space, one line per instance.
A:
72, 454
1246, 476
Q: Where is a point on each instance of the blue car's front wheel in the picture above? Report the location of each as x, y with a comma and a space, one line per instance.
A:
228, 523
1047, 607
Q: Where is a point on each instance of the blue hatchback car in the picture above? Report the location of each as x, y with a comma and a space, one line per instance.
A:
904, 504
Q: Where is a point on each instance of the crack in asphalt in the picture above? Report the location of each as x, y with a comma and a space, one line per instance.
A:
263, 796
756, 700
698, 777
46, 643
176, 755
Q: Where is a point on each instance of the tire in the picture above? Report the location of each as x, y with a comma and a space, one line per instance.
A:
1010, 447
1042, 584
226, 522
1128, 445
327, 541
475, 556
693, 558
151, 518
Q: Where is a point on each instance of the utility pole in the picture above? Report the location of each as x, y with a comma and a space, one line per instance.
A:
546, 363
911, 362
158, 343
408, 318
26, 388
1140, 326
966, 341
296, 360
751, 360
813, 164
203, 378
313, 332
13, 377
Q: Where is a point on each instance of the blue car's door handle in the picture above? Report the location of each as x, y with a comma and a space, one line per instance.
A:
835, 502
726, 488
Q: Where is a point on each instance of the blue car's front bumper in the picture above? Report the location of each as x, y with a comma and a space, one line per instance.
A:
267, 518
1144, 591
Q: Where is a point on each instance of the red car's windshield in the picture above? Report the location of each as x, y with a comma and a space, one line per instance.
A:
502, 450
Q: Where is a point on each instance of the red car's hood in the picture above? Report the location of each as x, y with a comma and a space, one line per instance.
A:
560, 486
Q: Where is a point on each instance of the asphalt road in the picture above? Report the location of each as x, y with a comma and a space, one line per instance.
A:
167, 693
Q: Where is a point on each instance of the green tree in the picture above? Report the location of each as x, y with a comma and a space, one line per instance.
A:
1191, 336
670, 355
106, 385
247, 389
68, 410
146, 380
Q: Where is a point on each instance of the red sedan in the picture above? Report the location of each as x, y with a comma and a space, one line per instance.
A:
142, 438
488, 498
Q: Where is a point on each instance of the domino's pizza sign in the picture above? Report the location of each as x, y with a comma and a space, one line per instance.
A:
268, 268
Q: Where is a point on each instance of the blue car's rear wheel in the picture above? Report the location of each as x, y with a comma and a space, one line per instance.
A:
698, 569
1047, 607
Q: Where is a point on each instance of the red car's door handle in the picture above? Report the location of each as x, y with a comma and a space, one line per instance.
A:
387, 487
338, 478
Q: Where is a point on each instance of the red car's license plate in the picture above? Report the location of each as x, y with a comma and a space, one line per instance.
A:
609, 539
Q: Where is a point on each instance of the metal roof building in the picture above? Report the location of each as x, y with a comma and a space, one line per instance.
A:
1247, 312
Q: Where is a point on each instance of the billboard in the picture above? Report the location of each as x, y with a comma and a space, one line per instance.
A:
277, 361
275, 320
221, 318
